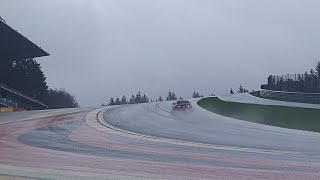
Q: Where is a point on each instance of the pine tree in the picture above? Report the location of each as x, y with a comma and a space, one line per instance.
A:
138, 98
306, 80
123, 100
111, 102
144, 99
312, 74
160, 98
173, 96
242, 90
131, 101
194, 94
60, 98
169, 97
117, 102
26, 76
318, 69
231, 91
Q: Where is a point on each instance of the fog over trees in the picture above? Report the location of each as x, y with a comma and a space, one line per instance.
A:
60, 98
196, 94
27, 77
307, 82
143, 98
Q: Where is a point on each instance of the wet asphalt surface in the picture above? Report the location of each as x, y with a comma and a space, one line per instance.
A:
202, 126
244, 148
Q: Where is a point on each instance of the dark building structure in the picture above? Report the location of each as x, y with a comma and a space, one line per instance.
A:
16, 47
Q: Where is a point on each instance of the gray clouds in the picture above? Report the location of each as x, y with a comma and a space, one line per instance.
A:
109, 48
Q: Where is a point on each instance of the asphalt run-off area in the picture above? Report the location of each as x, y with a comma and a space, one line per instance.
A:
149, 141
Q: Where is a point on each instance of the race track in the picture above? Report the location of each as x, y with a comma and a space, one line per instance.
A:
148, 141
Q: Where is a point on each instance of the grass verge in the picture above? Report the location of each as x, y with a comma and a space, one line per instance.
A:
280, 116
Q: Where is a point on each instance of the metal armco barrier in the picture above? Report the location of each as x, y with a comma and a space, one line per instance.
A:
291, 96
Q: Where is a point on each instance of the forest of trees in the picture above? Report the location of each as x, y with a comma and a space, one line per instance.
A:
196, 94
241, 89
139, 98
308, 82
27, 77
60, 98
171, 96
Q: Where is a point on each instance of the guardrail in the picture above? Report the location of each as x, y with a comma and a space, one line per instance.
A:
3, 86
291, 96
16, 104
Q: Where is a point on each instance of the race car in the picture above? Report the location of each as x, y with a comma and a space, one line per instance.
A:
181, 105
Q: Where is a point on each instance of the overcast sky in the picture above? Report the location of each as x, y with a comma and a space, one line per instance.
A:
104, 48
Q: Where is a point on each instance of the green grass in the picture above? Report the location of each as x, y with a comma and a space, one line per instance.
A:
287, 117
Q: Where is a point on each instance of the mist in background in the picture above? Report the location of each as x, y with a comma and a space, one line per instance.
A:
100, 49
